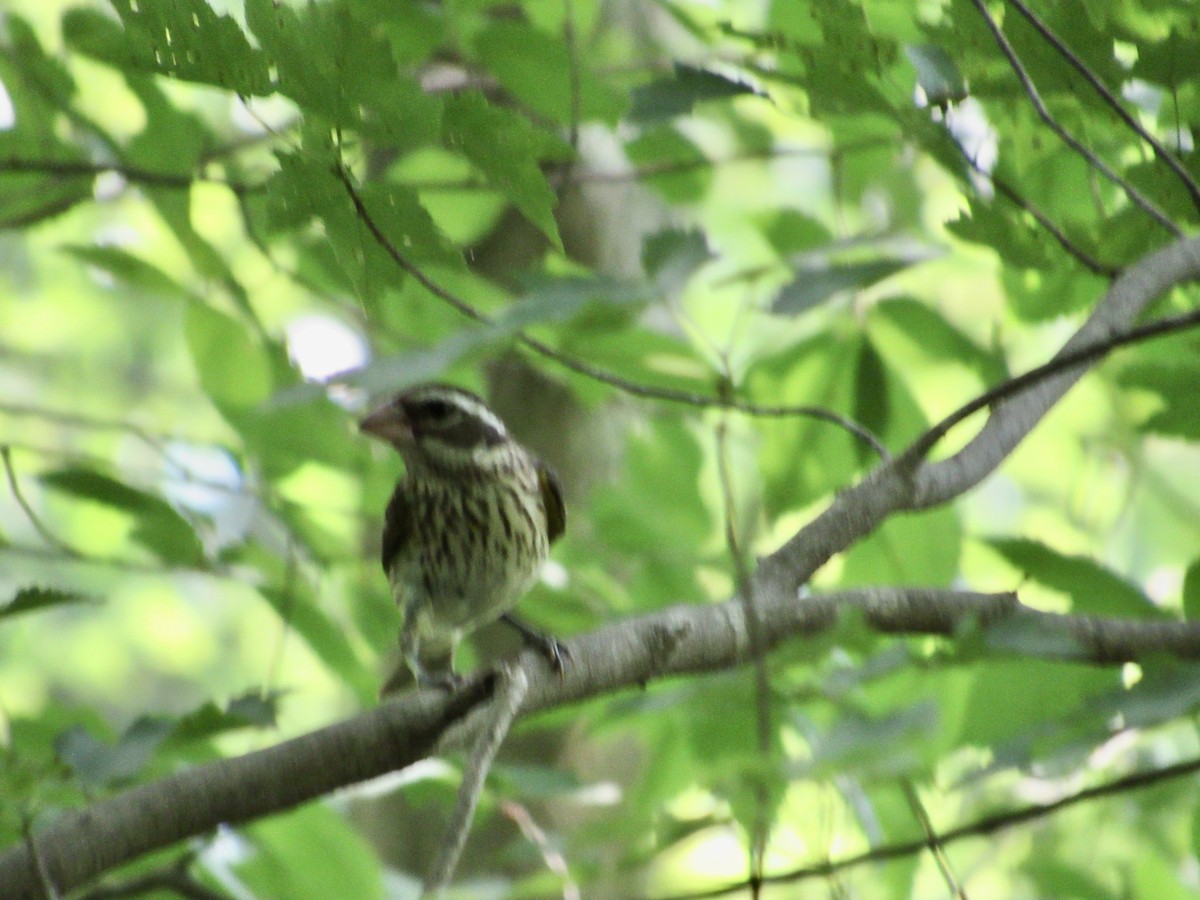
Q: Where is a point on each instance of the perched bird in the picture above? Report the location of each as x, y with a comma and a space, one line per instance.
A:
468, 526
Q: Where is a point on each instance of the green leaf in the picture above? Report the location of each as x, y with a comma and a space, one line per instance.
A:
924, 329
32, 599
812, 286
311, 853
535, 67
234, 370
1091, 587
100, 763
667, 98
852, 744
159, 527
937, 74
129, 270
672, 163
186, 39
326, 637
922, 548
506, 149
1191, 592
252, 710
1173, 384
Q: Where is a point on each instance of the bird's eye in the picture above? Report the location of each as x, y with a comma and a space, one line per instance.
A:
437, 410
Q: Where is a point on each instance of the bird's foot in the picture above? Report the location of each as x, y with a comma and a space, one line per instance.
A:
555, 652
447, 680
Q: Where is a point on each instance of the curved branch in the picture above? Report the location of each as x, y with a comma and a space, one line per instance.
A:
1138, 287
907, 483
680, 640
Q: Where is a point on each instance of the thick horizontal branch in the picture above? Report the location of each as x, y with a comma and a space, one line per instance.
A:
680, 640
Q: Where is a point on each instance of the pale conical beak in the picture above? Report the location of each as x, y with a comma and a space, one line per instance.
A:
388, 423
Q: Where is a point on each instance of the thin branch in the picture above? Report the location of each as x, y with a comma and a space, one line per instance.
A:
581, 367
46, 534
550, 854
1015, 197
762, 686
979, 828
1060, 363
1069, 139
933, 841
1164, 155
506, 703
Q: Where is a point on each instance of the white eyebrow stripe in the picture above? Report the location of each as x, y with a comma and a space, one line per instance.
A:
468, 403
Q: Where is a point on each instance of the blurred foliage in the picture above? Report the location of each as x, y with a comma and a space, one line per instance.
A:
226, 224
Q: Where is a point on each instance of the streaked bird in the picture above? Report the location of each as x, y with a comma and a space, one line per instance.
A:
468, 527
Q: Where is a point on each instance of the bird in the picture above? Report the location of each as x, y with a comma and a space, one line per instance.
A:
467, 529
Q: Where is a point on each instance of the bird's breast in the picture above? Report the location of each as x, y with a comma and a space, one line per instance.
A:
474, 548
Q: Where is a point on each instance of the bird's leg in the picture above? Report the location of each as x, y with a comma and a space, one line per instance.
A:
410, 648
555, 651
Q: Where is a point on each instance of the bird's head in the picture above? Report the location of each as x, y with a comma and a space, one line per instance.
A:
439, 426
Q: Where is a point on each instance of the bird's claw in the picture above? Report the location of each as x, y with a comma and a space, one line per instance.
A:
554, 651
444, 681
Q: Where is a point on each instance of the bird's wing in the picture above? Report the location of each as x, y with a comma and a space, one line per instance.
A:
552, 502
397, 526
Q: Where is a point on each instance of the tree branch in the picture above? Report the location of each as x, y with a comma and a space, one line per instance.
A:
979, 828
680, 640
907, 483
1164, 155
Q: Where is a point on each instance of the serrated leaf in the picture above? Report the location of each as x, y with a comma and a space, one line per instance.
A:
32, 599
185, 39
536, 68
159, 526
253, 710
505, 148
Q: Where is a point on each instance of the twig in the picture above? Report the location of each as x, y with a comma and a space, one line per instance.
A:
980, 827
1169, 325
933, 841
754, 633
1069, 139
506, 703
1164, 155
46, 534
551, 856
1014, 197
596, 373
